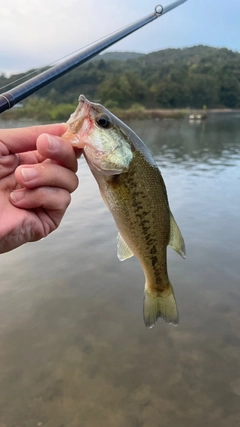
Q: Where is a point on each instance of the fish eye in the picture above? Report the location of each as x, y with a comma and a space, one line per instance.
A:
103, 121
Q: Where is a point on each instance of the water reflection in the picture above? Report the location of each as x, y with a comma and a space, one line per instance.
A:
212, 142
73, 347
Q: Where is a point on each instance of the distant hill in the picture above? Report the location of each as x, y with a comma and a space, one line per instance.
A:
119, 56
172, 78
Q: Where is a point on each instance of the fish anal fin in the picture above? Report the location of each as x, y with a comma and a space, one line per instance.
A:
123, 251
160, 305
176, 239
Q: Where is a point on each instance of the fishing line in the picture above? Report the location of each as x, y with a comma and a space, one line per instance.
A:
21, 78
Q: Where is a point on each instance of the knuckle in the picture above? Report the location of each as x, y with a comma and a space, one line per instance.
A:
75, 183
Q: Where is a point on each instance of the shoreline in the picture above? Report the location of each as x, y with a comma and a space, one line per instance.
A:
178, 113
139, 114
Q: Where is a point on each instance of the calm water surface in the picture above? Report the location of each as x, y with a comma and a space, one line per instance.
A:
74, 351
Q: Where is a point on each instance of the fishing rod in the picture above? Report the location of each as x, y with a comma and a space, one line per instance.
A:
22, 91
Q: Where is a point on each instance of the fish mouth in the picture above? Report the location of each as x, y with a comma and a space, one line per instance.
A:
82, 99
78, 123
82, 111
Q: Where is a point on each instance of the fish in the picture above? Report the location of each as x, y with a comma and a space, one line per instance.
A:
134, 191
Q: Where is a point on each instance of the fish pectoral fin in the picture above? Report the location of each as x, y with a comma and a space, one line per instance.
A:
160, 305
123, 251
176, 239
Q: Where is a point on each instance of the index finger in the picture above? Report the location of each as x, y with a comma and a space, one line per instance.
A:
24, 139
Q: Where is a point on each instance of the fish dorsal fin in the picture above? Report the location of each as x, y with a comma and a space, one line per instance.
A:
123, 251
176, 239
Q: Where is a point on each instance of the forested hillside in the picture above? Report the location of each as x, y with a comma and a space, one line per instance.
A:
172, 78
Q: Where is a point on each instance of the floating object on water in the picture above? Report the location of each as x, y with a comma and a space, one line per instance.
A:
197, 117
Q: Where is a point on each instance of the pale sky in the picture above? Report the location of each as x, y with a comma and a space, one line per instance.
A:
35, 33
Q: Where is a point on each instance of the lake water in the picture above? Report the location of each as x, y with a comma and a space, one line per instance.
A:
74, 351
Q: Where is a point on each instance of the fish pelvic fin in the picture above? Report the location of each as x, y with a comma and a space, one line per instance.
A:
123, 251
158, 305
176, 239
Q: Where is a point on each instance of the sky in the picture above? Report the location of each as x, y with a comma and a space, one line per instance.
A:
36, 33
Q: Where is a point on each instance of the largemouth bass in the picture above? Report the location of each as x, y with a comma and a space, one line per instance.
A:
134, 191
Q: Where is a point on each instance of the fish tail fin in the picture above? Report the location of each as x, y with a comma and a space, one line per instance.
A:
160, 305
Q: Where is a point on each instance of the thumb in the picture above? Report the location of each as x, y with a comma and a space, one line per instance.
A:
24, 139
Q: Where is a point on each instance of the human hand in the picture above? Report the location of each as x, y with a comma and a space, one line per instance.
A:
37, 175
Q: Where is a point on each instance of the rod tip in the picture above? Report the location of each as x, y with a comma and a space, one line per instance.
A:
158, 9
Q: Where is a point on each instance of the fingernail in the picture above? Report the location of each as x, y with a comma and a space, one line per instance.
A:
29, 173
53, 143
17, 195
